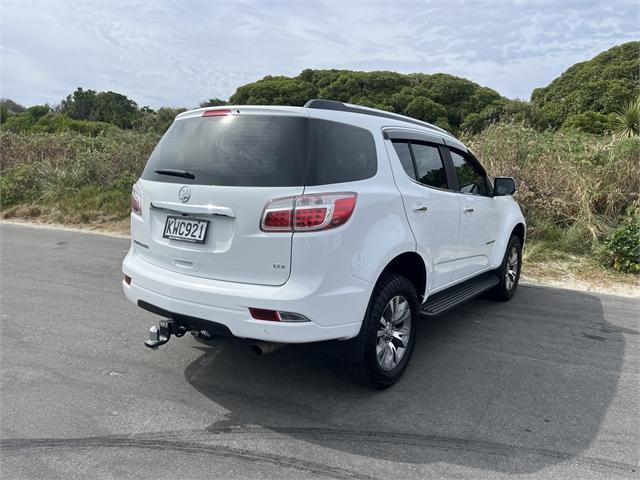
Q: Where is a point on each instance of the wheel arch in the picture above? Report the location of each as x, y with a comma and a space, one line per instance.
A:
512, 223
411, 266
520, 231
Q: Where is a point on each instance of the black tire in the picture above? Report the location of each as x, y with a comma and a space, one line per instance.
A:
505, 290
368, 369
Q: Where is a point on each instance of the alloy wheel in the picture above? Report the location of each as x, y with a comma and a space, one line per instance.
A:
393, 333
512, 268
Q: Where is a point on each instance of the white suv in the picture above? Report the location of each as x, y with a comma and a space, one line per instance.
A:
324, 222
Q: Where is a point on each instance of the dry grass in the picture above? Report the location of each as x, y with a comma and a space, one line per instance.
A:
70, 178
572, 187
577, 272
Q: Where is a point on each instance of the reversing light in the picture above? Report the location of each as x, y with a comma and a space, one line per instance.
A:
292, 317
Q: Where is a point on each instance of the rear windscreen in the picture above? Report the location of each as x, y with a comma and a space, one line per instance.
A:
263, 151
234, 150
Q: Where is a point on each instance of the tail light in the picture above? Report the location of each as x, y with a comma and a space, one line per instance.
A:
308, 212
136, 200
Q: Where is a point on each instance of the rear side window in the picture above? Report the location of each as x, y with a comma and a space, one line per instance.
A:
429, 165
404, 154
340, 153
234, 150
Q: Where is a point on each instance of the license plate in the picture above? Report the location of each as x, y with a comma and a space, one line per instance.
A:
185, 229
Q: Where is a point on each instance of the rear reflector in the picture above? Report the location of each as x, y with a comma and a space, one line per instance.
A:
216, 113
262, 314
308, 212
136, 200
276, 316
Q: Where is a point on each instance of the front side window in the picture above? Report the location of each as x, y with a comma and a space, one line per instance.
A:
429, 166
469, 179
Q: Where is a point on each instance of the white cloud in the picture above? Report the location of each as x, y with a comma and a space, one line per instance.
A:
181, 52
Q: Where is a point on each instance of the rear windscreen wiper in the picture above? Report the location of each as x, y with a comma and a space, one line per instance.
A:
175, 173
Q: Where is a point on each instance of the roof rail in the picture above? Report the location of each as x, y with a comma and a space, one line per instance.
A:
347, 107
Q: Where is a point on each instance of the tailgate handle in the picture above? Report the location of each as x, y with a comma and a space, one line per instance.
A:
193, 209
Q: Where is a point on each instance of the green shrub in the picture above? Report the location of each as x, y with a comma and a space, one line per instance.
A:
37, 111
4, 113
601, 84
54, 122
18, 123
622, 246
425, 109
626, 122
50, 122
18, 184
589, 122
440, 98
158, 121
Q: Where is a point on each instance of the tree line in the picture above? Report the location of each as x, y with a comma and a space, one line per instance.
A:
590, 96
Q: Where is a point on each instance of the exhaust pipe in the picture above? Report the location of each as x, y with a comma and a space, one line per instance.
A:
262, 348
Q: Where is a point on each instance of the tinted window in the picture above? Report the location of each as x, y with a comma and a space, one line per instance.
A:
469, 180
340, 153
429, 165
234, 150
404, 154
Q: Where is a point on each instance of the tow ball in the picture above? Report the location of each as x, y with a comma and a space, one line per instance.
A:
161, 333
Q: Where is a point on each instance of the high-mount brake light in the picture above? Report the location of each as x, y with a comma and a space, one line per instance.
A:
136, 200
311, 212
216, 113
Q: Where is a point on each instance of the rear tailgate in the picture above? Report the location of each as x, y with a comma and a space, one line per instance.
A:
239, 160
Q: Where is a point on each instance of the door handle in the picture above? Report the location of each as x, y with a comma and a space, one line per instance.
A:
420, 208
468, 210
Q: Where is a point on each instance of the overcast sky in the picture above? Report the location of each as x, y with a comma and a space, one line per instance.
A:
177, 53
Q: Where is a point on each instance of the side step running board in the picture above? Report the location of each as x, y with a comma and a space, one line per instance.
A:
447, 299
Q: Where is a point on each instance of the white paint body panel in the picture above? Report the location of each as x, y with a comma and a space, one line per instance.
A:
329, 275
479, 220
436, 229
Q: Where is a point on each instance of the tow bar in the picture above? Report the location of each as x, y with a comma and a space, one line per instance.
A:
161, 333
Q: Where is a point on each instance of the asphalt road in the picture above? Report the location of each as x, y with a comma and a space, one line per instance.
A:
545, 386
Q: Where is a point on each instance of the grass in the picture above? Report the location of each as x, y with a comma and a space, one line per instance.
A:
545, 263
70, 178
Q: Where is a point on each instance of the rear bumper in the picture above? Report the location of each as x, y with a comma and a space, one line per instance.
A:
333, 313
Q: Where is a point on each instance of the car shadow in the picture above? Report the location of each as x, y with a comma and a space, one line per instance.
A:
507, 387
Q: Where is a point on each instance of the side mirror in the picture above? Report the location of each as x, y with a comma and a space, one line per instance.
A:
504, 186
